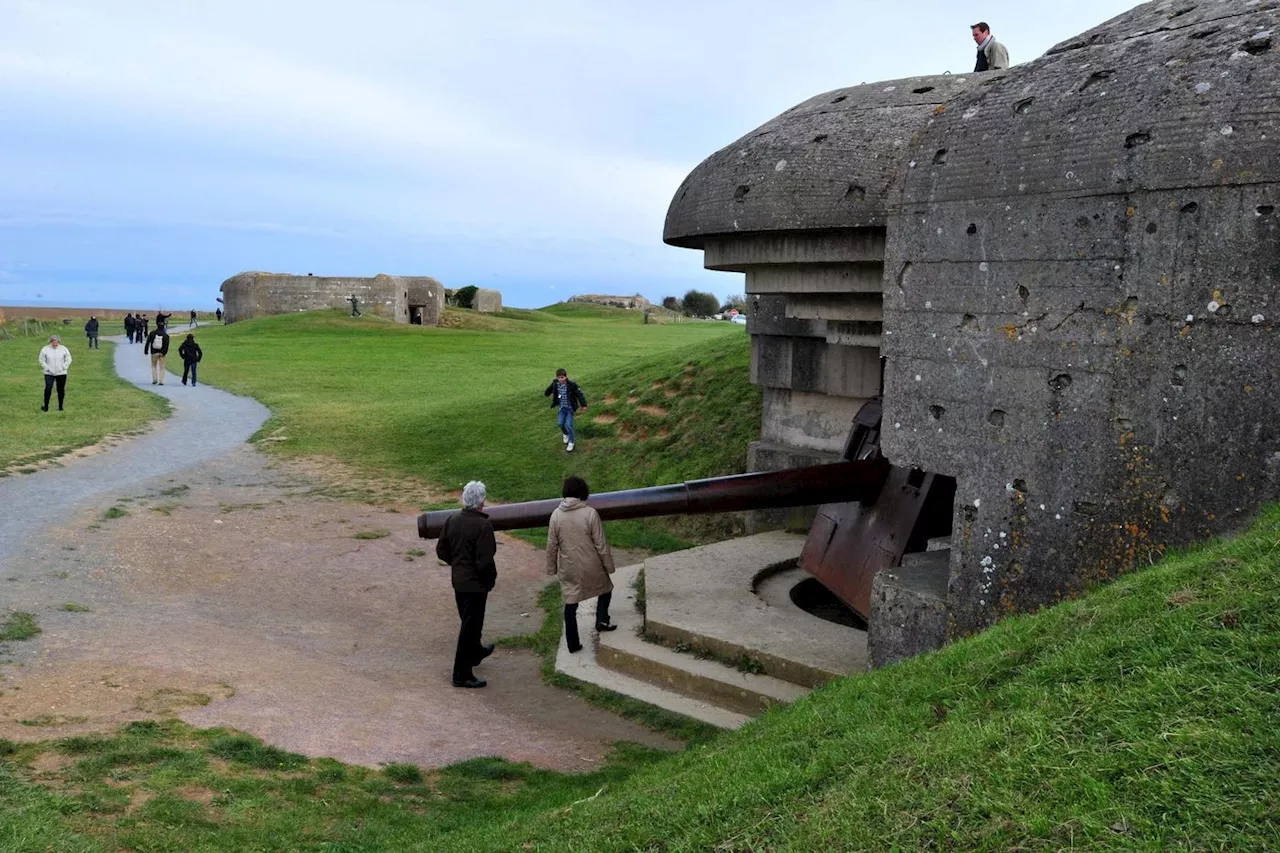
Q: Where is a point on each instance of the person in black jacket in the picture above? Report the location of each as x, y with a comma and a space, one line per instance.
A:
129, 326
91, 329
191, 354
158, 346
565, 397
468, 546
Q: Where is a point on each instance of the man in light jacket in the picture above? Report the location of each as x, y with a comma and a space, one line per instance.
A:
991, 53
158, 346
55, 359
579, 553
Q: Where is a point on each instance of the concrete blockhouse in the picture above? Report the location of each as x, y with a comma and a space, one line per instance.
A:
399, 298
487, 301
1063, 278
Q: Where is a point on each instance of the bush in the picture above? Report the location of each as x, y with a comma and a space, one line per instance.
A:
464, 297
699, 304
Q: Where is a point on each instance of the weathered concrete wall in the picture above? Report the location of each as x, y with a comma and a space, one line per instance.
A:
424, 295
256, 294
1082, 289
1080, 269
487, 301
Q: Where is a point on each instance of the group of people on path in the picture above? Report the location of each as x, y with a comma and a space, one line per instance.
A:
577, 551
55, 358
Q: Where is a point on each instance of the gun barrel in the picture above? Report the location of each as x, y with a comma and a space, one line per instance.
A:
816, 484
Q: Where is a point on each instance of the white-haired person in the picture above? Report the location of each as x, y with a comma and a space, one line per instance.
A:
468, 546
55, 360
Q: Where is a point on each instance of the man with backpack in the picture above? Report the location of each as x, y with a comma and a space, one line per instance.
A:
158, 346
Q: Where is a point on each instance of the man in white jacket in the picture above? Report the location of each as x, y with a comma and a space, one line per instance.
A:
55, 359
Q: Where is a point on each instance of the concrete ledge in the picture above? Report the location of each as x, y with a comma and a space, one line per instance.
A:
909, 607
706, 597
585, 665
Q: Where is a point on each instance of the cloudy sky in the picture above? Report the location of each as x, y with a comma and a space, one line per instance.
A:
149, 149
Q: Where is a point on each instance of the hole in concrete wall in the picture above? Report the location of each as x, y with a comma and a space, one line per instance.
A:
996, 418
1020, 486
1124, 424
1264, 209
1082, 222
741, 192
940, 157
814, 598
839, 99
1095, 78
970, 322
1258, 44
1204, 34
1152, 228
1130, 305
1133, 140
855, 192
1023, 293
821, 137
1084, 508
922, 90
1061, 382
1189, 207
970, 514
936, 412
1179, 378
1224, 310
972, 229
1022, 106
902, 275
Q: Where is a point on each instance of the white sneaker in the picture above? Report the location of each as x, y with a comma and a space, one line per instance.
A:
564, 438
569, 447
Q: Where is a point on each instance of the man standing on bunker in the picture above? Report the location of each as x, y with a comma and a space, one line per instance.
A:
992, 55
565, 396
467, 544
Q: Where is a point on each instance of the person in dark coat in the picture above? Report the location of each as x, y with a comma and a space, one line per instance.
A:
129, 326
91, 329
141, 328
191, 354
218, 314
468, 546
565, 396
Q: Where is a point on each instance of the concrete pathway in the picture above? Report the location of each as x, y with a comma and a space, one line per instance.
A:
208, 424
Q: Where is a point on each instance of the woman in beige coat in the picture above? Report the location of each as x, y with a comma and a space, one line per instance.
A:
579, 553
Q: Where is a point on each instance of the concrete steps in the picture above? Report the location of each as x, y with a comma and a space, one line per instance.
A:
706, 599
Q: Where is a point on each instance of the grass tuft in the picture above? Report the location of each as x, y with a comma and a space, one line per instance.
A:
19, 626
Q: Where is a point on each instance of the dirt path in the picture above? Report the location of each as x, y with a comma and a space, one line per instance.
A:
232, 594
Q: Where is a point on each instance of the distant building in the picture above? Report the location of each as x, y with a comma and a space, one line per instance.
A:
417, 299
612, 301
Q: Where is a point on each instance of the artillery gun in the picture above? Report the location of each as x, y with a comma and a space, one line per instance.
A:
870, 512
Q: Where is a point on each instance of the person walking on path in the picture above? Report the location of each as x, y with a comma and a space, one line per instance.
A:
158, 346
468, 546
91, 329
193, 324
191, 354
991, 53
565, 396
162, 319
579, 553
128, 326
141, 325
55, 359
218, 314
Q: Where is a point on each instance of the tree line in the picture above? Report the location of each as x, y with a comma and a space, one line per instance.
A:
697, 303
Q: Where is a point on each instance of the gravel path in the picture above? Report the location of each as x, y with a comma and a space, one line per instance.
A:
206, 424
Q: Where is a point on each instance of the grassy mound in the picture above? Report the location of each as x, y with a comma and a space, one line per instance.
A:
1141, 716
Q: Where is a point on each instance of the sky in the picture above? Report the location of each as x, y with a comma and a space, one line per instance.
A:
150, 149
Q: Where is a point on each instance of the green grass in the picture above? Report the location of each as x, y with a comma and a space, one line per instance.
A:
99, 403
429, 409
1142, 716
19, 626
72, 607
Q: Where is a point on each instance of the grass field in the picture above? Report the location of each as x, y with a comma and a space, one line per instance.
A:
1142, 716
99, 403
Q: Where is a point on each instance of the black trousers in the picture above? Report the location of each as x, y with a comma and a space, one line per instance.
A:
471, 612
571, 638
49, 382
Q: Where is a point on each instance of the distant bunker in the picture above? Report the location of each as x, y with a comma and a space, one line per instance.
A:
1063, 279
404, 299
